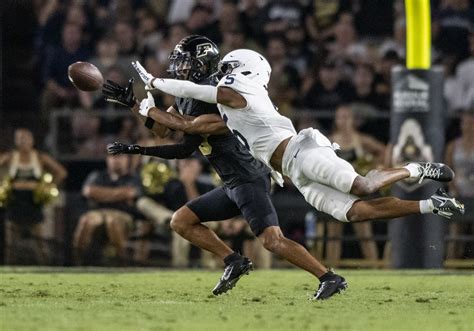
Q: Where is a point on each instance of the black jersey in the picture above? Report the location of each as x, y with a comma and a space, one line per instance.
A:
229, 157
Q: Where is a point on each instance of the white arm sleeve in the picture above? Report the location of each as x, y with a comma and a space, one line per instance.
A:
186, 89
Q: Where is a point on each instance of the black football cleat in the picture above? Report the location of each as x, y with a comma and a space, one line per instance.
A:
232, 273
445, 205
436, 171
335, 284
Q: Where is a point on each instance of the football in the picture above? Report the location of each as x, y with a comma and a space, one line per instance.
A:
85, 76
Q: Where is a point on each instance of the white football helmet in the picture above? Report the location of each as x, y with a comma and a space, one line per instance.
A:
247, 62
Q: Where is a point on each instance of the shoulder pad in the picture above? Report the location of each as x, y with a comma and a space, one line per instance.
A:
240, 83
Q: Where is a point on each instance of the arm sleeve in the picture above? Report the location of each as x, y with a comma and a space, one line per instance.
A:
186, 89
178, 151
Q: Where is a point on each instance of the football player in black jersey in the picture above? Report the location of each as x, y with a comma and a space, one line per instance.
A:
246, 188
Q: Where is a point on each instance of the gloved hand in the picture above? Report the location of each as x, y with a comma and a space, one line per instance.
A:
119, 148
146, 77
115, 93
147, 104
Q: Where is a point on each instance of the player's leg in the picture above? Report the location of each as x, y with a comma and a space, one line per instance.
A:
214, 205
349, 208
439, 203
377, 179
257, 208
273, 240
382, 208
314, 159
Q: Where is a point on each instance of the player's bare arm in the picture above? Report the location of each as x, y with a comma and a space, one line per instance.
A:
204, 124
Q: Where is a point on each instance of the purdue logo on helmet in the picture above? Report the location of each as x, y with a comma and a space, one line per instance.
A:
202, 49
194, 58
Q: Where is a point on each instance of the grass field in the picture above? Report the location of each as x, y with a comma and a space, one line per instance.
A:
111, 299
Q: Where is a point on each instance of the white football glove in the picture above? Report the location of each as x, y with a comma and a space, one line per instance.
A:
145, 76
146, 104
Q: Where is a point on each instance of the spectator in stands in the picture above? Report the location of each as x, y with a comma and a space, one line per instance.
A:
278, 15
298, 49
364, 86
453, 92
464, 77
328, 91
283, 87
398, 41
229, 18
383, 83
234, 39
251, 19
374, 19
75, 14
451, 27
124, 33
148, 34
24, 214
111, 194
323, 18
87, 138
346, 48
460, 157
107, 54
201, 22
58, 89
364, 153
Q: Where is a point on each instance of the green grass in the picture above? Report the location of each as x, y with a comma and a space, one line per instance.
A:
105, 299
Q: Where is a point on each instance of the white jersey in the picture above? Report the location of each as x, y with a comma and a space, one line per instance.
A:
259, 125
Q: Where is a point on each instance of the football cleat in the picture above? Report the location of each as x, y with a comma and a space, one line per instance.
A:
232, 273
445, 205
435, 171
329, 287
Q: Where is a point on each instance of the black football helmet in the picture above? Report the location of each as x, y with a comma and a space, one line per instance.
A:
194, 58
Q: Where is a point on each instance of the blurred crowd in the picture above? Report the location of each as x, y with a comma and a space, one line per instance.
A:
323, 53
331, 69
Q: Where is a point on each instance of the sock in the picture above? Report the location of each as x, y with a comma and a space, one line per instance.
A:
328, 275
414, 170
426, 206
232, 257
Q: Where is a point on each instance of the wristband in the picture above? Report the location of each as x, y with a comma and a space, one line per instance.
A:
149, 122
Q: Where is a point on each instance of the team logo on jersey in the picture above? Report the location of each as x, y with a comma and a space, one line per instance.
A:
202, 49
411, 146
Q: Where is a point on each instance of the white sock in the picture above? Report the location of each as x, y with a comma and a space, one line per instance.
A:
426, 206
414, 170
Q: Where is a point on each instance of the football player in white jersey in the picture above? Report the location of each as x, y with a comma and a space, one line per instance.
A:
308, 158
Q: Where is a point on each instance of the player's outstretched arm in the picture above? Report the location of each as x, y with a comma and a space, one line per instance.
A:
187, 89
176, 151
203, 124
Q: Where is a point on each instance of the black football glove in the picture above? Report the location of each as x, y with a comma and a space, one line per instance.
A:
119, 148
115, 93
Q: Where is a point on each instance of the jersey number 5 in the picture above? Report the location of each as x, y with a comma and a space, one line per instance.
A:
229, 79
